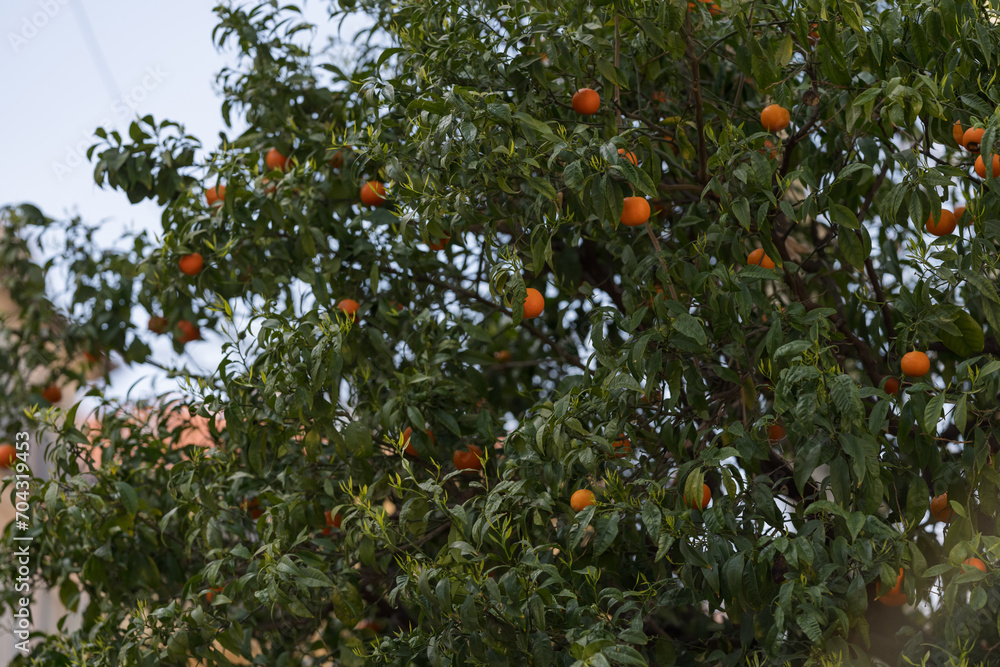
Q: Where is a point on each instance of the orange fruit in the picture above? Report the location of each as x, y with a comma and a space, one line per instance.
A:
891, 386
944, 225
775, 118
958, 133
191, 264
706, 496
960, 216
52, 393
158, 324
628, 155
895, 597
760, 259
625, 445
502, 356
981, 166
373, 194
90, 357
338, 158
775, 432
976, 563
215, 195
581, 499
972, 138
940, 509
189, 332
915, 364
534, 303
635, 211
349, 307
586, 101
713, 8
770, 149
468, 460
410, 449
275, 160
253, 506
439, 244
332, 521
211, 593
8, 455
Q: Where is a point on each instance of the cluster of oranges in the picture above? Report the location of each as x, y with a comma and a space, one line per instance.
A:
971, 140
941, 511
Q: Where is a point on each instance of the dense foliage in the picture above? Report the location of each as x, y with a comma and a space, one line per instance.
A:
393, 486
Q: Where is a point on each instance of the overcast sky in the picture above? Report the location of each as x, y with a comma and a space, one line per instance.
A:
68, 66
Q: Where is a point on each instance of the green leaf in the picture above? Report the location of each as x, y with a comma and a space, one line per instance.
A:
128, 497
852, 248
741, 208
573, 176
970, 342
932, 413
605, 532
689, 326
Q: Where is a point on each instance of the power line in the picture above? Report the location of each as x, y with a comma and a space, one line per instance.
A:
95, 49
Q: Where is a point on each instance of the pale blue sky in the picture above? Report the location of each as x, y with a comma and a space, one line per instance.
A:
160, 61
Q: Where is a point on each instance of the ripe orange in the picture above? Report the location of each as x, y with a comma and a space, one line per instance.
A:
331, 522
775, 118
770, 149
981, 166
635, 211
502, 356
713, 8
349, 307
960, 216
91, 358
211, 593
940, 509
215, 195
275, 160
944, 225
158, 324
625, 445
976, 563
581, 499
958, 133
775, 432
534, 303
189, 331
253, 506
972, 138
338, 158
469, 460
410, 449
706, 496
586, 101
895, 597
191, 264
439, 244
52, 393
373, 194
760, 259
891, 386
628, 155
8, 455
915, 364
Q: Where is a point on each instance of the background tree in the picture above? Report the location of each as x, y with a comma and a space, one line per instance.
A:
701, 451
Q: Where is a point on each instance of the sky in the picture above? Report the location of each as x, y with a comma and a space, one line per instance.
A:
69, 66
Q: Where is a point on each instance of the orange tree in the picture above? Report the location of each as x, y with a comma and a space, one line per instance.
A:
701, 444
